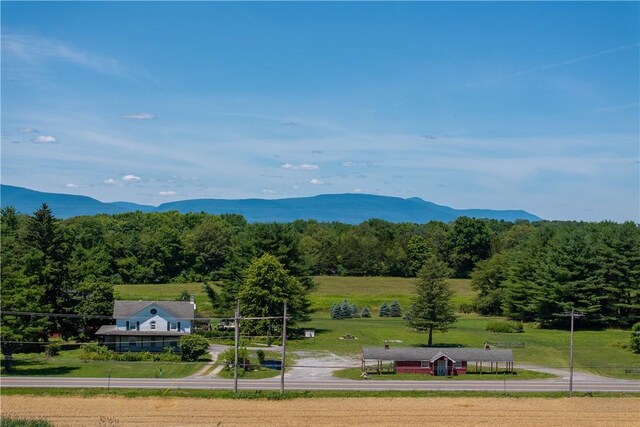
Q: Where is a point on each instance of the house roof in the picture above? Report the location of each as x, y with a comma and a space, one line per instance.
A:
111, 330
428, 353
180, 309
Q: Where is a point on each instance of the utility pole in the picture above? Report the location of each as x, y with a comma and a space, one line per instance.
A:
573, 315
236, 319
284, 347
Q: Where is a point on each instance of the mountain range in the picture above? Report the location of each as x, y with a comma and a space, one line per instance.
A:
345, 208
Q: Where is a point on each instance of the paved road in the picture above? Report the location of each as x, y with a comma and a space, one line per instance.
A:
274, 384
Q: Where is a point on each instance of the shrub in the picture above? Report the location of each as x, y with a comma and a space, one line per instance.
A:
53, 349
365, 312
95, 351
336, 311
384, 310
394, 309
466, 308
227, 358
505, 327
260, 355
192, 347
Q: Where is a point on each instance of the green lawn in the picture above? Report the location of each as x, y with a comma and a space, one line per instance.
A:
595, 351
257, 372
68, 364
373, 291
518, 374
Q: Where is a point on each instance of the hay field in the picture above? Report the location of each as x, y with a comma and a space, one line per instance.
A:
120, 411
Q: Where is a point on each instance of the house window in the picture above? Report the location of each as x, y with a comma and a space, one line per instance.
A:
152, 324
131, 326
459, 364
424, 363
174, 326
154, 311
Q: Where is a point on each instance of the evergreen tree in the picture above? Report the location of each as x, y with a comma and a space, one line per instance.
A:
384, 310
394, 309
336, 311
432, 308
354, 310
365, 312
345, 309
46, 267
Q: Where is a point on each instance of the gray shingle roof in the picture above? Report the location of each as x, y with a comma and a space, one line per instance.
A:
457, 354
126, 309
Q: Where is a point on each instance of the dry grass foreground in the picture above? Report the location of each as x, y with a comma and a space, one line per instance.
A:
120, 411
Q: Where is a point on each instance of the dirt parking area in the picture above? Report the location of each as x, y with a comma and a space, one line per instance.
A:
120, 411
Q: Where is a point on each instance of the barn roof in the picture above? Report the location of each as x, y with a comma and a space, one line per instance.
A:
180, 309
428, 353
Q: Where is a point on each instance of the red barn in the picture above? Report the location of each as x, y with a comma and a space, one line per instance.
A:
434, 361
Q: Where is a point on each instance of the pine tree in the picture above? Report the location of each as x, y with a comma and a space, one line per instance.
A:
336, 311
365, 312
432, 308
384, 310
346, 309
394, 309
354, 311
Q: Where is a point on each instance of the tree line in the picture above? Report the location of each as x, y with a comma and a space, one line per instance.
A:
527, 271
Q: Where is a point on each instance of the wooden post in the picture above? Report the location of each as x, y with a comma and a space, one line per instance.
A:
284, 347
236, 345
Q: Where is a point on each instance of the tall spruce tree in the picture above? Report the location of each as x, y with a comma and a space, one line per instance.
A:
432, 307
365, 312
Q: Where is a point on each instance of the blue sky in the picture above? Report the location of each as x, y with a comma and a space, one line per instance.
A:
472, 105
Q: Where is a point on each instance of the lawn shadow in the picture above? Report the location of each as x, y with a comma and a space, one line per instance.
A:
46, 371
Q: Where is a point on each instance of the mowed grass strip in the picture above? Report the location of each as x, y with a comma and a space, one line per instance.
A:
68, 364
373, 291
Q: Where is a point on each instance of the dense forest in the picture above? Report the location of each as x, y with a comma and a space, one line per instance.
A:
527, 271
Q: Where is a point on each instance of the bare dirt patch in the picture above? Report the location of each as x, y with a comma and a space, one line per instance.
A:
119, 411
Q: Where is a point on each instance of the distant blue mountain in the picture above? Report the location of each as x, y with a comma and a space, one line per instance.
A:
346, 208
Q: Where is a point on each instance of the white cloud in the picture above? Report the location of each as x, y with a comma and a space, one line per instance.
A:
357, 190
36, 49
139, 116
44, 139
131, 178
301, 167
167, 193
72, 185
348, 164
316, 181
27, 130
110, 181
268, 192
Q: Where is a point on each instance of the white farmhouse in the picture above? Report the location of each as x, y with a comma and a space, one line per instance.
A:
147, 325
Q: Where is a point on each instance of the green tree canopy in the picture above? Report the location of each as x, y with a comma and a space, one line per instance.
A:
266, 286
432, 307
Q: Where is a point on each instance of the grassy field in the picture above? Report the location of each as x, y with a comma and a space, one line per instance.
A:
518, 374
599, 352
68, 364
